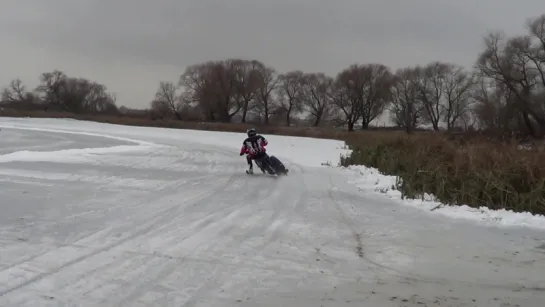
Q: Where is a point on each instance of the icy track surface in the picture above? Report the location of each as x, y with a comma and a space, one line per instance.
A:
103, 215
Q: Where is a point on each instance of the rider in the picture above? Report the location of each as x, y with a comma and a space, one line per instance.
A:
254, 146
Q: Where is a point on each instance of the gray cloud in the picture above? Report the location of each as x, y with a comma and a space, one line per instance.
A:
131, 44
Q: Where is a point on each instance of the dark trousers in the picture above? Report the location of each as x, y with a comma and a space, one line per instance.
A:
256, 157
249, 160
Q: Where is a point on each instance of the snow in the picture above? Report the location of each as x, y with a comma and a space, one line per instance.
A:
303, 151
107, 215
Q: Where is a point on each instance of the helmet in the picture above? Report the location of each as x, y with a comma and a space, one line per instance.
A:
251, 132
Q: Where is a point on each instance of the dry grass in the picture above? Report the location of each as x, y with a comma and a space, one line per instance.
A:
472, 170
476, 172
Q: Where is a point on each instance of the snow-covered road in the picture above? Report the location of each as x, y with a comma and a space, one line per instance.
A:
104, 215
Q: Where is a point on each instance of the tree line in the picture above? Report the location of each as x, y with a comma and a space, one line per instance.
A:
59, 92
504, 91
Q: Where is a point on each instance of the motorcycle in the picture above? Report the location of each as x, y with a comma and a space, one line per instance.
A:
271, 165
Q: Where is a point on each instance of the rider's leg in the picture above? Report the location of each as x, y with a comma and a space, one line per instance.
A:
250, 164
260, 157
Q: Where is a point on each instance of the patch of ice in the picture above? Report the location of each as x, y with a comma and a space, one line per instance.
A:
68, 155
299, 150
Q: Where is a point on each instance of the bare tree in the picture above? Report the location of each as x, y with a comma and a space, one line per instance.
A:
98, 99
247, 80
316, 93
458, 85
347, 96
17, 96
51, 85
406, 107
167, 95
431, 90
536, 52
77, 95
368, 85
225, 87
495, 105
160, 109
289, 92
80, 95
198, 89
15, 92
518, 63
376, 91
213, 87
266, 102
508, 65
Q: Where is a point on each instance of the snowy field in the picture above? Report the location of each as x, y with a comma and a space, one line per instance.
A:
105, 215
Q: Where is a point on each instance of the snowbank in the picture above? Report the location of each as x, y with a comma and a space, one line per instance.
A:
370, 180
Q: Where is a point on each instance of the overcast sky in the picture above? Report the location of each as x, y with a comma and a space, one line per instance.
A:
130, 45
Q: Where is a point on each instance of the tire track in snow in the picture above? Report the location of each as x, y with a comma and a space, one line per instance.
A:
218, 225
224, 234
355, 233
161, 218
203, 204
295, 207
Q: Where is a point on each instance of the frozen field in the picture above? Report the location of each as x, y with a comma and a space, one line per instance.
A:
104, 215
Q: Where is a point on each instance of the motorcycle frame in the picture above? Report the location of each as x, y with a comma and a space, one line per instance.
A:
260, 161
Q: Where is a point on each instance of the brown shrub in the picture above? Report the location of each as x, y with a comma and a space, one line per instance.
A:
475, 172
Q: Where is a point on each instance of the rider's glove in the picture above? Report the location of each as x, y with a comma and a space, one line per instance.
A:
241, 153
